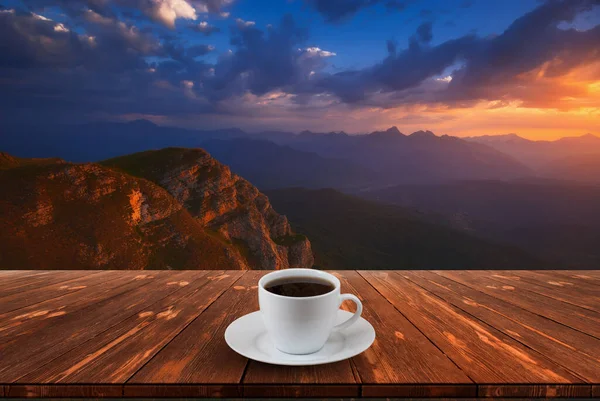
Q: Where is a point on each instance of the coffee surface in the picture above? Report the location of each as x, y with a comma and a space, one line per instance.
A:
299, 287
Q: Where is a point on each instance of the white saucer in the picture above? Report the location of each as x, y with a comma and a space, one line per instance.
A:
248, 337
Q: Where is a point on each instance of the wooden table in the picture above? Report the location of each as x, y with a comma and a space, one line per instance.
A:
160, 334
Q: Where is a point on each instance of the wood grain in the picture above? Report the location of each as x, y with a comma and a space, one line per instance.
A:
63, 391
573, 316
569, 348
33, 296
569, 291
25, 282
582, 276
301, 391
535, 391
194, 355
28, 352
485, 354
115, 355
160, 334
398, 343
31, 319
572, 278
39, 317
419, 391
182, 391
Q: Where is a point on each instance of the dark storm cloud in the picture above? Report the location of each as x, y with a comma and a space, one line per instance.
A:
490, 66
53, 72
41, 46
262, 61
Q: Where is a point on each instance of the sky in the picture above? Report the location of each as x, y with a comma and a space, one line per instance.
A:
456, 67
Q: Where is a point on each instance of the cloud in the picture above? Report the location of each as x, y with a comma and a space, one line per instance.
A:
488, 68
337, 10
94, 61
199, 50
167, 11
212, 6
31, 41
205, 28
424, 32
262, 61
316, 52
241, 24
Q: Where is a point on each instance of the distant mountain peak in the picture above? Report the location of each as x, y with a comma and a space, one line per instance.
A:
423, 134
501, 138
393, 130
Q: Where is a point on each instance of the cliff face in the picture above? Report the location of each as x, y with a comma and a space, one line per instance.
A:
223, 202
58, 215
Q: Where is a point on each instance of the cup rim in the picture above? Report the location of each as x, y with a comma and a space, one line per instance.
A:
328, 276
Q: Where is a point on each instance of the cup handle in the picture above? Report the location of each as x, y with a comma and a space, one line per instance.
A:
354, 318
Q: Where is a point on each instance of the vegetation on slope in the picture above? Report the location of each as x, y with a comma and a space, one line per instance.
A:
351, 233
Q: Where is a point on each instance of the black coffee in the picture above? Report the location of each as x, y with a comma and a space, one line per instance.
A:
299, 287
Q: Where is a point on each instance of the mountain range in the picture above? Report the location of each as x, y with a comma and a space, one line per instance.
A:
570, 158
319, 160
533, 200
555, 220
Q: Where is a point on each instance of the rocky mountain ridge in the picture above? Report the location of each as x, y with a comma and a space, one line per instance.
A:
182, 210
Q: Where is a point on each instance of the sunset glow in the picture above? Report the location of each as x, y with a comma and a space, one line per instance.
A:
444, 66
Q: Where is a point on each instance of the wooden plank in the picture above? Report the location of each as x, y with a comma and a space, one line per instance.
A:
585, 279
67, 331
575, 317
24, 283
66, 391
485, 354
182, 390
569, 291
419, 390
567, 347
535, 391
115, 355
596, 391
398, 343
192, 356
589, 276
29, 320
9, 275
332, 373
56, 290
306, 390
421, 361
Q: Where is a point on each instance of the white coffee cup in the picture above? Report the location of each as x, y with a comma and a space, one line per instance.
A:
302, 325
